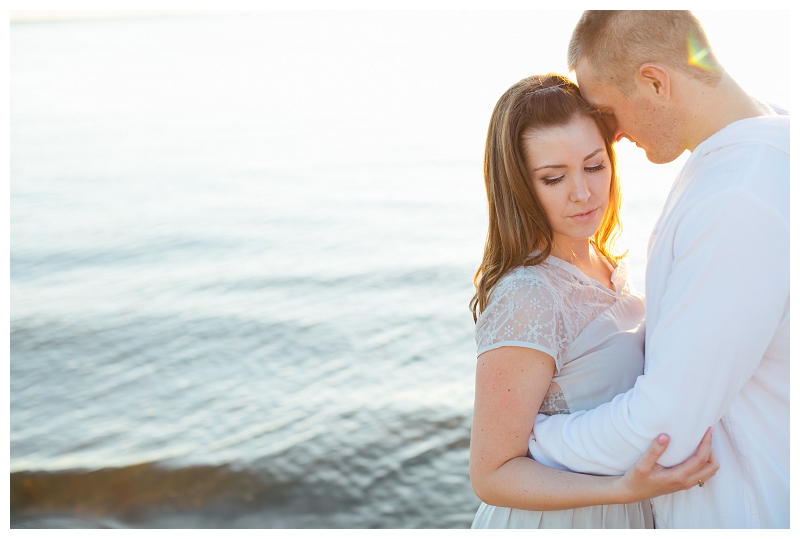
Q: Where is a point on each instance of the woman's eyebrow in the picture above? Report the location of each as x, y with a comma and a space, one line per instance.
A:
550, 166
598, 150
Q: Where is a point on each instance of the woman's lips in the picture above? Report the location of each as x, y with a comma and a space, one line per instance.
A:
584, 216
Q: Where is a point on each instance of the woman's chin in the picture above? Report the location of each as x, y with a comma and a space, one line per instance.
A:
582, 231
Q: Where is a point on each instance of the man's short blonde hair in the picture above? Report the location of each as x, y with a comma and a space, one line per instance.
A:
617, 43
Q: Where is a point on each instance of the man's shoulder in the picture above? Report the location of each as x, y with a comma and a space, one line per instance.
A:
751, 155
769, 131
757, 169
778, 109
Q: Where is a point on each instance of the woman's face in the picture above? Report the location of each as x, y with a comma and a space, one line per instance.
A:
571, 176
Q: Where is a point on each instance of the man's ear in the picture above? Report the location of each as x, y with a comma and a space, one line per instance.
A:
654, 79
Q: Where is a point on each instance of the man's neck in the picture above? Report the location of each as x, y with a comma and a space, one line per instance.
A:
710, 109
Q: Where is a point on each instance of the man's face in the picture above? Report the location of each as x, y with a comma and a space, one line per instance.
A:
642, 119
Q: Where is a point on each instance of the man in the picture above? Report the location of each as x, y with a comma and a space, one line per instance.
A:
717, 280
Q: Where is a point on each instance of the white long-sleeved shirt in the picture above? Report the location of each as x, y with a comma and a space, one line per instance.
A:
717, 341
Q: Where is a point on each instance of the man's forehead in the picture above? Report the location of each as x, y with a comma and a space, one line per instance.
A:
597, 92
584, 70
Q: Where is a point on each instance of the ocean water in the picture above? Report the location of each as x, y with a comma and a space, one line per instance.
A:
242, 248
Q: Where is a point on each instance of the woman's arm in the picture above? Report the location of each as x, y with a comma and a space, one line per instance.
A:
510, 384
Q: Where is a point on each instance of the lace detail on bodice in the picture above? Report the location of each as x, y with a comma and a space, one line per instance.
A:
554, 402
543, 307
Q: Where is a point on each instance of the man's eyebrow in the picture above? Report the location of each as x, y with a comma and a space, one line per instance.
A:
598, 150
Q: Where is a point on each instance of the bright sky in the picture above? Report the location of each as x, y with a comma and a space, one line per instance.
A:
752, 45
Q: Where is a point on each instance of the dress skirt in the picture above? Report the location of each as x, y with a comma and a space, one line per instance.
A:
628, 516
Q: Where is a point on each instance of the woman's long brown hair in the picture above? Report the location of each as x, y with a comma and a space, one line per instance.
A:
517, 222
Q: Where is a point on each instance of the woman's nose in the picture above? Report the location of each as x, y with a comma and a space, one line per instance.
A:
579, 192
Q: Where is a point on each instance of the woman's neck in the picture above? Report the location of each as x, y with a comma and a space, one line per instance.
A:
577, 252
583, 255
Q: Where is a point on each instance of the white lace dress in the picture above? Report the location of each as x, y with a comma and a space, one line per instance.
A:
596, 336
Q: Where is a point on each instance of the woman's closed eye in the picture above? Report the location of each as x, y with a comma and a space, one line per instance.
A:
551, 181
596, 168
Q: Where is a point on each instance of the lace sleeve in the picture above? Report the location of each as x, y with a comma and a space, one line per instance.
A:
523, 311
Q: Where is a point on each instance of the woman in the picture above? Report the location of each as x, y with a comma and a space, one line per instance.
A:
559, 328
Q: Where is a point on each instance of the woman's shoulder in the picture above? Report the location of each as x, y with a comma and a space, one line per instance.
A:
543, 271
523, 273
523, 310
532, 282
521, 276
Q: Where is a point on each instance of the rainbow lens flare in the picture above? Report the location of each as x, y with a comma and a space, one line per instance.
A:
698, 55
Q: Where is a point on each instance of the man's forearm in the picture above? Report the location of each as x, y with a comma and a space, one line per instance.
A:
583, 442
718, 314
